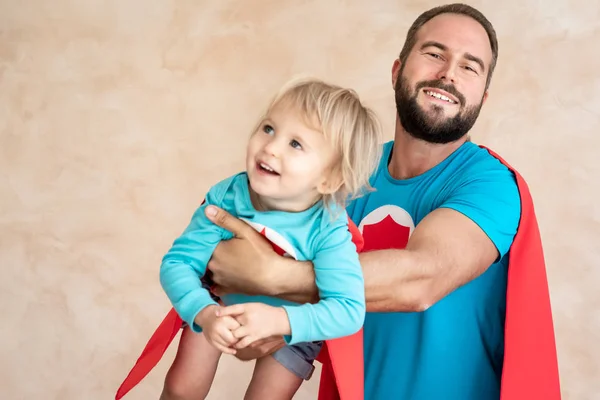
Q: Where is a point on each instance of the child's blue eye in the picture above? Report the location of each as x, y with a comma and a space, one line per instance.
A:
295, 144
268, 129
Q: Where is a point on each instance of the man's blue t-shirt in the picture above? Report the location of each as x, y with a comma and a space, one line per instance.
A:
454, 349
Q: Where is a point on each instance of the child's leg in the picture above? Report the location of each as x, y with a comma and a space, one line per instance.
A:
279, 375
193, 369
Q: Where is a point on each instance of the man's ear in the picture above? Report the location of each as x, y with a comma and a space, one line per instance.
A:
395, 72
485, 96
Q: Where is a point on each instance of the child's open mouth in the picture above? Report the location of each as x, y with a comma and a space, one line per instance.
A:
262, 167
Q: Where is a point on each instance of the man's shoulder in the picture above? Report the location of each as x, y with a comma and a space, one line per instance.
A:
478, 160
476, 167
473, 166
486, 190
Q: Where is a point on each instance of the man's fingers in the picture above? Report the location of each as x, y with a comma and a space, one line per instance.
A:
225, 220
269, 342
231, 311
219, 290
260, 348
255, 344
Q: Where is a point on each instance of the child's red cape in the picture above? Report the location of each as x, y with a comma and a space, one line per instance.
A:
530, 368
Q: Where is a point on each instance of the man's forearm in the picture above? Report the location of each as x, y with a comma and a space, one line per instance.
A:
293, 281
397, 281
394, 281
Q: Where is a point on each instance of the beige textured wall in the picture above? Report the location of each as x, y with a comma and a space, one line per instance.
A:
116, 116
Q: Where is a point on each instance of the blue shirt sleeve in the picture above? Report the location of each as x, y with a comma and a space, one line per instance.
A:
185, 263
491, 199
339, 277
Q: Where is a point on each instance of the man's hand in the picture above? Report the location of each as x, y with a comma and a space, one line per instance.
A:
244, 263
260, 348
248, 264
258, 321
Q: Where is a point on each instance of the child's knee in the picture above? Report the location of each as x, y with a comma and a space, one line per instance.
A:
181, 389
174, 392
177, 393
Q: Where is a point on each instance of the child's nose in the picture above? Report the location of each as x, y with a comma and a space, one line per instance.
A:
273, 147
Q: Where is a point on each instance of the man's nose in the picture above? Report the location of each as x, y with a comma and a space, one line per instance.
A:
447, 73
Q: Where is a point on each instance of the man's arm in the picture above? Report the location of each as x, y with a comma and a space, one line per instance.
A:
445, 251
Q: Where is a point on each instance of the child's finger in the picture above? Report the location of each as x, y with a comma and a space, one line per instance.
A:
245, 342
222, 342
231, 311
241, 332
218, 342
230, 323
225, 349
227, 337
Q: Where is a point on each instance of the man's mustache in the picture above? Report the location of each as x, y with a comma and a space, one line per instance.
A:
440, 85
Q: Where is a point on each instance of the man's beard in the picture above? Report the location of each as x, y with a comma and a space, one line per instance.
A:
433, 127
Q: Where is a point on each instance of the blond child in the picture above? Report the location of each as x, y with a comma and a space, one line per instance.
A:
314, 148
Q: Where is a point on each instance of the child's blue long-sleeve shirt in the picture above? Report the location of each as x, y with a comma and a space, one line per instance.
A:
308, 235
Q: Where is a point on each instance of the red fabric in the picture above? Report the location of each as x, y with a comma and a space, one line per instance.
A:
530, 362
346, 353
153, 352
342, 373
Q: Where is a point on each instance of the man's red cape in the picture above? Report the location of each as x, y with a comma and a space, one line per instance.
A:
530, 368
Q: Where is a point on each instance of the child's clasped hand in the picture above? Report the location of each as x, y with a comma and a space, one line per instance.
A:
239, 325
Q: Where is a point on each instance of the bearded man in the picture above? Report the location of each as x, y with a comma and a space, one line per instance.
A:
448, 232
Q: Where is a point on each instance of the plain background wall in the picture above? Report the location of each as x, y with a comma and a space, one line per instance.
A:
116, 116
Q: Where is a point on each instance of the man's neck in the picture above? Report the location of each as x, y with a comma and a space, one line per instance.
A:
412, 157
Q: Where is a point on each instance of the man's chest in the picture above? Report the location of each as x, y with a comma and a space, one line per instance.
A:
386, 218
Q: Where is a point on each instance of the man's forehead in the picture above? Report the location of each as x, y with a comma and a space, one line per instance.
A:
457, 33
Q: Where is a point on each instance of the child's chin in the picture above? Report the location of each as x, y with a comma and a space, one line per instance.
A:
261, 189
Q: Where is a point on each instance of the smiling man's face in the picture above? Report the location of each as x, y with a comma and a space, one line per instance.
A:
441, 87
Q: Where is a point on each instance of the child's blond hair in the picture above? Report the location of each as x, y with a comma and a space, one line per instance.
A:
352, 128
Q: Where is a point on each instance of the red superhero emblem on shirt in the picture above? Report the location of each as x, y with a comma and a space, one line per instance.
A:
386, 227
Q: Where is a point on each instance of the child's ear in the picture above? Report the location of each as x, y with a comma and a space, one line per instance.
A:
331, 183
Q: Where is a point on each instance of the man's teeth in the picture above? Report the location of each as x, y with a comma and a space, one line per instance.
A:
440, 96
266, 167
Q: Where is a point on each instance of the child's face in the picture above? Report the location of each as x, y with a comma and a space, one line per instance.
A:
287, 162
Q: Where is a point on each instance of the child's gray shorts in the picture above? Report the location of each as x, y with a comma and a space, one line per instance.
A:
299, 358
